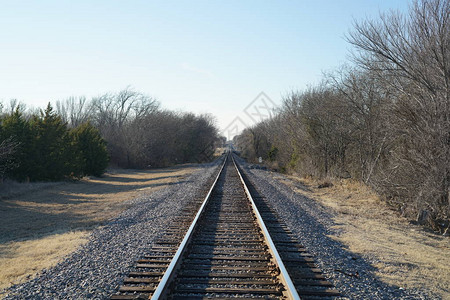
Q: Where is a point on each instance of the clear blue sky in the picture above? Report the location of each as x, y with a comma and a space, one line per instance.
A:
200, 56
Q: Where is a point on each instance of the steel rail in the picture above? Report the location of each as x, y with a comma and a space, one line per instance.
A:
284, 276
285, 279
168, 274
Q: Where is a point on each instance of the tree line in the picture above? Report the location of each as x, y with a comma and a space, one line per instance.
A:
80, 137
383, 119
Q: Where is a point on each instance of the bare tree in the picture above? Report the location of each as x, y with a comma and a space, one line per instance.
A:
385, 121
117, 109
115, 115
365, 103
14, 105
74, 110
411, 54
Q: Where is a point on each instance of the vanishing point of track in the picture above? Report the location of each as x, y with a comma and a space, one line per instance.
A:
233, 246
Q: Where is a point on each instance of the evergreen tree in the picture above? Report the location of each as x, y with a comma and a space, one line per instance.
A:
53, 151
91, 148
17, 129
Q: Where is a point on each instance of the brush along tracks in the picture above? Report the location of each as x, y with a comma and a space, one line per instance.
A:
230, 250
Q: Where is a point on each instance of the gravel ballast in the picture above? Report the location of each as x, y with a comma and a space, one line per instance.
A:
97, 269
352, 274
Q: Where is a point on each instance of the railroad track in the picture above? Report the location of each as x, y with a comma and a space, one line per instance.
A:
234, 245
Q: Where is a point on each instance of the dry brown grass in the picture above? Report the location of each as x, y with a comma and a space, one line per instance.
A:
19, 261
407, 255
41, 223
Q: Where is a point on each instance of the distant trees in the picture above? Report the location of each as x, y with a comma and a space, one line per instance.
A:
163, 137
139, 134
384, 121
114, 114
127, 129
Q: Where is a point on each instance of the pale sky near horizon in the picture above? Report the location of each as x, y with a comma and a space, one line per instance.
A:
200, 56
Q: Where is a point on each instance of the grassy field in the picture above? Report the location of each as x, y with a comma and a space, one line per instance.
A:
407, 255
40, 223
